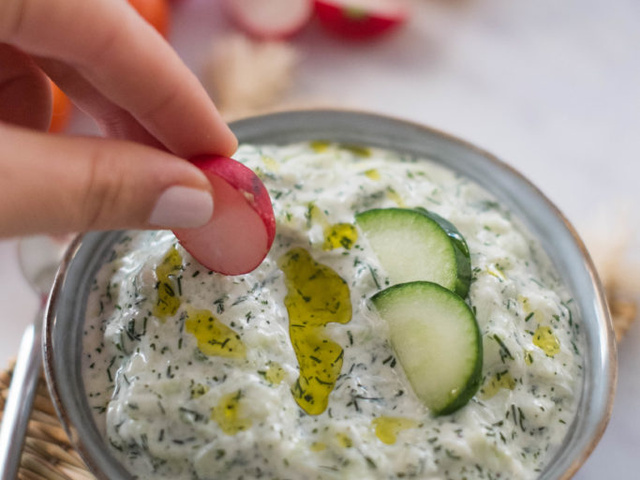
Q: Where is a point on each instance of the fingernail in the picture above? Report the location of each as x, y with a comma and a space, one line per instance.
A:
182, 207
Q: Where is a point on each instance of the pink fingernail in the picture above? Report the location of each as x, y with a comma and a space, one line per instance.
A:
182, 207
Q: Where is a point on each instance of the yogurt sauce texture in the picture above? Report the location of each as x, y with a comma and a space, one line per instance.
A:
192, 374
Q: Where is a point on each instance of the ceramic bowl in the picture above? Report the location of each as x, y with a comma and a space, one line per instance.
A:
66, 309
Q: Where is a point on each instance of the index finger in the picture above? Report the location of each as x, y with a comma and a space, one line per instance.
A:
127, 61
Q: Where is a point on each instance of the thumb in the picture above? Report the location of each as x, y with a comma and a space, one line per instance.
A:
57, 184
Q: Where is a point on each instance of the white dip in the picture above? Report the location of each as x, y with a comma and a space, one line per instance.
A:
172, 407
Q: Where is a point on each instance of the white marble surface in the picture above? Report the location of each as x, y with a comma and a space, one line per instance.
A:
551, 87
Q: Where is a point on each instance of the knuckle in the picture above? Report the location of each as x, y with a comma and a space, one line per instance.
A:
103, 191
12, 18
159, 105
110, 119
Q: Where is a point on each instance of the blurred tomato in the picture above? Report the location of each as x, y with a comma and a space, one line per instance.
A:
61, 110
156, 12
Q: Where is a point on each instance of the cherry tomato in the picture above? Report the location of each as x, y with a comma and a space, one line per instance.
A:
61, 110
156, 12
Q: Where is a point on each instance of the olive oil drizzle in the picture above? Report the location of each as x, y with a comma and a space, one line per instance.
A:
316, 296
340, 235
214, 337
274, 374
337, 235
229, 416
545, 340
499, 381
388, 428
168, 285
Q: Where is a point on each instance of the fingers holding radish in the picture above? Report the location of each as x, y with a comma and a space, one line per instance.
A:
242, 227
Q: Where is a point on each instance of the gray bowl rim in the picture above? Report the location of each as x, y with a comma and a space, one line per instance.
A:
397, 134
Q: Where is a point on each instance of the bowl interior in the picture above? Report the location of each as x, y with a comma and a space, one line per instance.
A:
65, 316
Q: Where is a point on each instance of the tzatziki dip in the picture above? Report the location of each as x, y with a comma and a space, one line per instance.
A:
305, 368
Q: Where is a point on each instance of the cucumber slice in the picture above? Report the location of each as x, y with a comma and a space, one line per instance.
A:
412, 246
463, 258
437, 341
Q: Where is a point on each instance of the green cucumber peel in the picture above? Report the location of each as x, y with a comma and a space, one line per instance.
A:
415, 244
463, 257
437, 341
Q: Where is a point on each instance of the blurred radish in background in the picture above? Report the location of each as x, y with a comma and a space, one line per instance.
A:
361, 19
272, 19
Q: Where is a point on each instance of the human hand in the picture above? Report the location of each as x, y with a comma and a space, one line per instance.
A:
153, 110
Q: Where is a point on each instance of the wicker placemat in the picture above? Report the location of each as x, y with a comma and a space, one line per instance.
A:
48, 454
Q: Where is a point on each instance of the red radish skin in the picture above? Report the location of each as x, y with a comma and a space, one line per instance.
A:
270, 19
242, 227
361, 20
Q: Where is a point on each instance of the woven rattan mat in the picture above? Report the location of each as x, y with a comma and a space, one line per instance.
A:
48, 454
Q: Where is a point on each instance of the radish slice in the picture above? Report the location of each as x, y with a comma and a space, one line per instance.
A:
242, 228
270, 19
361, 19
